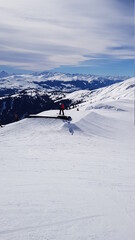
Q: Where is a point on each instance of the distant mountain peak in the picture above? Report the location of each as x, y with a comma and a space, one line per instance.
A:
3, 74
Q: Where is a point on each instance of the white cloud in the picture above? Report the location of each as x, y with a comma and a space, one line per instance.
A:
60, 32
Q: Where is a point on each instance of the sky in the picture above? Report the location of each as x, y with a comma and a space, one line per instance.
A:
89, 36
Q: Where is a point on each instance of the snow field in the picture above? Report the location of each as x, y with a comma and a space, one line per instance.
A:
70, 180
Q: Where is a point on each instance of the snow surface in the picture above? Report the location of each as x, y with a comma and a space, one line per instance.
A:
71, 180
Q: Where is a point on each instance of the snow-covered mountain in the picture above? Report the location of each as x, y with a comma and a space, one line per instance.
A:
20, 105
123, 90
23, 94
3, 74
71, 180
53, 82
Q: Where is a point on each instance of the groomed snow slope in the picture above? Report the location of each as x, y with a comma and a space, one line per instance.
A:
70, 180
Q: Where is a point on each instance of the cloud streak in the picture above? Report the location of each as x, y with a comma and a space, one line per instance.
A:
38, 35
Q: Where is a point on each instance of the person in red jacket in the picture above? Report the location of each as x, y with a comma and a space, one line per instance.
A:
62, 107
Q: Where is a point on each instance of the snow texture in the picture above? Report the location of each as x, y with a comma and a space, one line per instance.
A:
71, 180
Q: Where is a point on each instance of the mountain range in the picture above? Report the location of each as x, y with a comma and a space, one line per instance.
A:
53, 82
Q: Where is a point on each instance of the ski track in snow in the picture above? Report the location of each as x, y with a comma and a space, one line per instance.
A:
70, 180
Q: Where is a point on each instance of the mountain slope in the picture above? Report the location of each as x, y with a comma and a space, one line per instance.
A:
121, 90
18, 106
71, 180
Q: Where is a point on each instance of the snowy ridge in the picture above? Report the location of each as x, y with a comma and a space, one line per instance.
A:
121, 90
117, 91
71, 180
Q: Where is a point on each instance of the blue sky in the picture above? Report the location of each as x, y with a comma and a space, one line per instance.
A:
89, 36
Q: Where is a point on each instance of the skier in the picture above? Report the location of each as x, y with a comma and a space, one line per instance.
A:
62, 107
